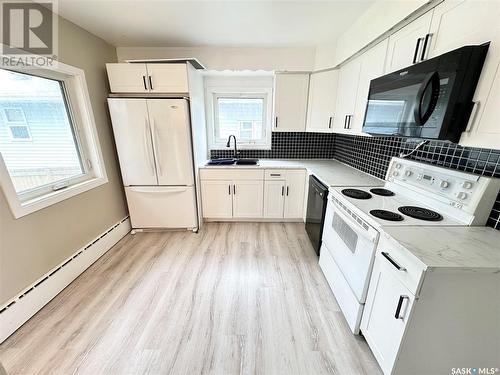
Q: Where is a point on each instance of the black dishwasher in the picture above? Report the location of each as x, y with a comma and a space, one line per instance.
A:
316, 207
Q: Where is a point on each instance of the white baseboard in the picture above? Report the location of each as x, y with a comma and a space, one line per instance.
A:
18, 310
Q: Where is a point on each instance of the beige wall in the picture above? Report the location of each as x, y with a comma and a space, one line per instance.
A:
33, 244
232, 58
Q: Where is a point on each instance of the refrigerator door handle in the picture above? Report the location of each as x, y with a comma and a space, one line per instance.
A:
156, 147
147, 148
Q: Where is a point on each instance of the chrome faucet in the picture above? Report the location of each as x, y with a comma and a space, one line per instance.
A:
228, 144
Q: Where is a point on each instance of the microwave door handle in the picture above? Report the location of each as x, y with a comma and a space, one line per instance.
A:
433, 80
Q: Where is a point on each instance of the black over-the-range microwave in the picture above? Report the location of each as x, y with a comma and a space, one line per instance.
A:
432, 99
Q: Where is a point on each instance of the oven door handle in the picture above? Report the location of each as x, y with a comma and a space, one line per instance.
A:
431, 79
369, 234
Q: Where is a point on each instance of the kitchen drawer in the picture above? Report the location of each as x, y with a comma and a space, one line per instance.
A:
394, 256
275, 174
231, 173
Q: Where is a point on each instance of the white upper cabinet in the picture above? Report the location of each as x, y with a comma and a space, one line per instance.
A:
290, 102
166, 78
322, 101
127, 77
143, 78
468, 22
406, 46
346, 95
372, 66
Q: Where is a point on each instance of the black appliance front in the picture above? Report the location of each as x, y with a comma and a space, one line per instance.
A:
431, 99
316, 208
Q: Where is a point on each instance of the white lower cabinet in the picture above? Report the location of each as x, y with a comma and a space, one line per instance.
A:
248, 198
274, 199
228, 193
217, 200
284, 194
386, 312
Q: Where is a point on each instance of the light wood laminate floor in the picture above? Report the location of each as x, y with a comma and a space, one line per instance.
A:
236, 298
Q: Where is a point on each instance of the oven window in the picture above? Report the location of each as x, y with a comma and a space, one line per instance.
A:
345, 232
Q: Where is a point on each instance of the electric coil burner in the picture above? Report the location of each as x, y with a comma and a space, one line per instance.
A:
383, 192
387, 215
420, 213
356, 194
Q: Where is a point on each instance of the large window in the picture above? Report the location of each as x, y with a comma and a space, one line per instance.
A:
239, 107
47, 138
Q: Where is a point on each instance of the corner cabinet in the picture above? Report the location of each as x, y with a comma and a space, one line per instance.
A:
147, 78
467, 22
322, 101
290, 102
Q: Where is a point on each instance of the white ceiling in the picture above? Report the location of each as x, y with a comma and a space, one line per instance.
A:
207, 23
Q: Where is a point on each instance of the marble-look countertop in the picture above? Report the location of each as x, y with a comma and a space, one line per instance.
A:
330, 172
451, 247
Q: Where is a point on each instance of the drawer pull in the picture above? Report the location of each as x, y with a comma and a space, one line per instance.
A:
400, 304
392, 261
275, 175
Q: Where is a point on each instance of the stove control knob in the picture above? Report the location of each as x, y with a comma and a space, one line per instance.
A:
444, 184
462, 195
395, 173
467, 185
398, 166
408, 173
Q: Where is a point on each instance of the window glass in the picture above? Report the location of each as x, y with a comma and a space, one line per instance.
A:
37, 138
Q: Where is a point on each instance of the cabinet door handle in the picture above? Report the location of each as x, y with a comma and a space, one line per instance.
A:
426, 42
144, 81
150, 82
415, 55
282, 190
276, 122
287, 188
330, 122
229, 189
345, 122
392, 261
234, 189
275, 174
400, 304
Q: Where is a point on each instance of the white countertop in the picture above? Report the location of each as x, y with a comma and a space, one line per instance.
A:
330, 172
451, 247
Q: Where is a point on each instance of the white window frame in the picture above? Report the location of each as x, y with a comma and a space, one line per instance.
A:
238, 87
87, 140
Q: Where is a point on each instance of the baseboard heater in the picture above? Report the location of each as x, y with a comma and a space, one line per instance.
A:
18, 310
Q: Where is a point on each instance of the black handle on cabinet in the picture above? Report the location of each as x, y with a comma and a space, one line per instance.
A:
287, 188
234, 189
349, 123
282, 190
392, 261
415, 55
330, 122
345, 122
229, 189
275, 174
426, 42
276, 122
150, 83
144, 81
398, 308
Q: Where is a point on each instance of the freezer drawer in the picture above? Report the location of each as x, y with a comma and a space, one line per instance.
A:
161, 206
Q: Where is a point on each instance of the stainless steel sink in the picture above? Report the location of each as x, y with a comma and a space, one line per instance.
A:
232, 161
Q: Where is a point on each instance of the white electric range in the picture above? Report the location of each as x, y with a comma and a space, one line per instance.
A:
414, 194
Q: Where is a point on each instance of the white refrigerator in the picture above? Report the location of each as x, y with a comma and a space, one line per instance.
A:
153, 141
